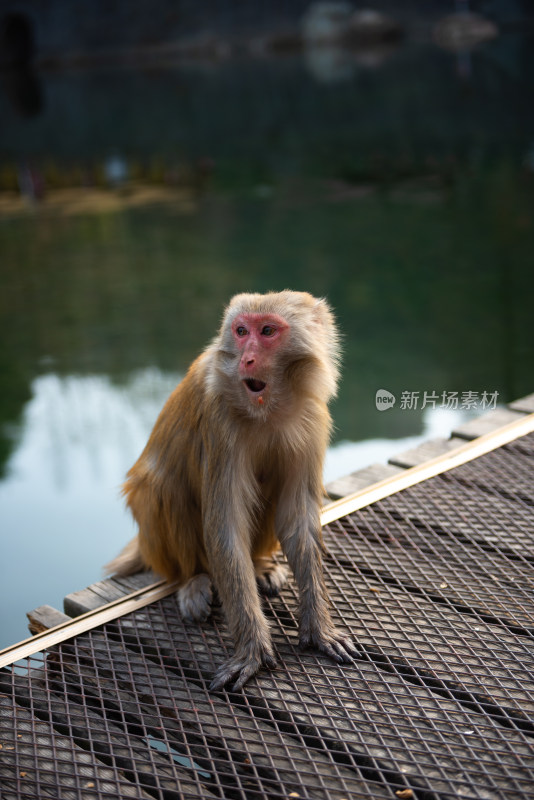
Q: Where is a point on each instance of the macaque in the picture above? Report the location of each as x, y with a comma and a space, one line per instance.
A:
233, 469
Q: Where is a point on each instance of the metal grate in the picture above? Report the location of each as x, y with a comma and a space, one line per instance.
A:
435, 584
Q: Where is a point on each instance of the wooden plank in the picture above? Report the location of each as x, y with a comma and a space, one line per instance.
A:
524, 404
464, 567
82, 600
194, 705
91, 619
45, 617
243, 750
508, 473
109, 743
472, 657
472, 520
436, 466
471, 429
348, 484
37, 761
442, 582
374, 712
488, 423
95, 596
105, 591
171, 696
424, 452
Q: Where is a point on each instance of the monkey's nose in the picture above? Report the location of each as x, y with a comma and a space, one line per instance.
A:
248, 360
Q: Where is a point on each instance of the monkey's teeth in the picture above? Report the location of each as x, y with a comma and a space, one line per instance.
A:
255, 385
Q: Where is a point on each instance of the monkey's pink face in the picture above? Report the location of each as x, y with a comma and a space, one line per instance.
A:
259, 339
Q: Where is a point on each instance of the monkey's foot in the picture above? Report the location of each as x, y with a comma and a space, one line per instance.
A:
332, 643
270, 577
243, 668
195, 598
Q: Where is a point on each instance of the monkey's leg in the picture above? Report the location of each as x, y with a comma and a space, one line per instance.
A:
231, 567
195, 598
300, 537
236, 585
270, 576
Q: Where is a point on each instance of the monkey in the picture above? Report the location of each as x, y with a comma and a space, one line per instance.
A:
232, 471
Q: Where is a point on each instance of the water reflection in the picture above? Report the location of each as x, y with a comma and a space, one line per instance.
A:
85, 431
62, 514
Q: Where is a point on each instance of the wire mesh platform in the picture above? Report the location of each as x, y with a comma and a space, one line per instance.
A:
434, 583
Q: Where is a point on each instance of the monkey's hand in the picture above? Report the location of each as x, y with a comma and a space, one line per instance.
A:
242, 668
331, 642
270, 577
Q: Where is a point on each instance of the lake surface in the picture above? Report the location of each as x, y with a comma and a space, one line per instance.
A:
134, 203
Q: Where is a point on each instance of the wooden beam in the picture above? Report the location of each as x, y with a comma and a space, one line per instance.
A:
436, 466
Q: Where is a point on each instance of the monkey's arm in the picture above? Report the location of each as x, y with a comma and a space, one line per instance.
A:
299, 531
227, 540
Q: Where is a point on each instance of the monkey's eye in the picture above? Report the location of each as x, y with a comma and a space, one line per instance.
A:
267, 330
241, 330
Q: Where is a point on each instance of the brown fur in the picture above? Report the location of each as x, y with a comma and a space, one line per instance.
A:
225, 478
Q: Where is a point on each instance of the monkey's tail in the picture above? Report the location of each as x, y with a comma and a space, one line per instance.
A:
128, 561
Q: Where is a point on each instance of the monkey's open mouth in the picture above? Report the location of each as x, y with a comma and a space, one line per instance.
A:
255, 385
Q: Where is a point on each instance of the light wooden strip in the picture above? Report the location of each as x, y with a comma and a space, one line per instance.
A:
347, 505
86, 622
442, 463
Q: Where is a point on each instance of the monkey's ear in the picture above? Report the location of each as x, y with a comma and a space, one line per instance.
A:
322, 313
330, 338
